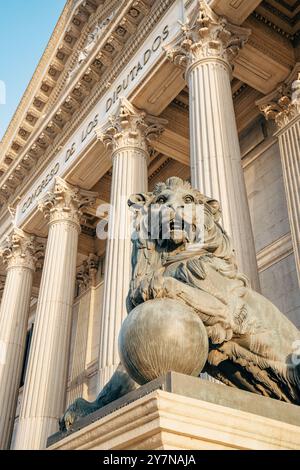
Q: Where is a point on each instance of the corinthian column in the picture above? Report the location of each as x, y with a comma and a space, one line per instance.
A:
127, 135
206, 48
283, 106
45, 384
19, 256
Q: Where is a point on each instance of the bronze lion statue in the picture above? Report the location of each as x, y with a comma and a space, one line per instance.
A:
251, 343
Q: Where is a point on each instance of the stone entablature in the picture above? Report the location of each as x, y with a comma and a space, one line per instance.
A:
111, 44
105, 101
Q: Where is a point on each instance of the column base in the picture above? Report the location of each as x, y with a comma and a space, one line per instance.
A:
177, 412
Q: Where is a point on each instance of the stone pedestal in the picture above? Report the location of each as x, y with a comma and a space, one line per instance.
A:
179, 412
127, 135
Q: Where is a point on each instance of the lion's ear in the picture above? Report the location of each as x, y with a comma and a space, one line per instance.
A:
215, 208
138, 201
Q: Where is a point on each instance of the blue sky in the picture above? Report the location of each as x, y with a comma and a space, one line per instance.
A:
25, 29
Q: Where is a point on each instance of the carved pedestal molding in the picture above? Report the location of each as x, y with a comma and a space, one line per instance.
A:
45, 384
206, 48
283, 107
19, 256
127, 134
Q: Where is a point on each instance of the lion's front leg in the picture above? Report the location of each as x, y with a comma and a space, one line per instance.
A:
78, 409
215, 315
119, 385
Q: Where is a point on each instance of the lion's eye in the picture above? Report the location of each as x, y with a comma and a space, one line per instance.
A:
161, 200
188, 199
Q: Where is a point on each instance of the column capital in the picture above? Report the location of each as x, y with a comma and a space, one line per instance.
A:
283, 105
86, 274
129, 127
20, 250
206, 36
65, 203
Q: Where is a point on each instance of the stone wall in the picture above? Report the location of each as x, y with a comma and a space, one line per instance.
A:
269, 216
84, 350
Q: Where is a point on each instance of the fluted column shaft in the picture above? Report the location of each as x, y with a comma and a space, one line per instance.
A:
215, 156
289, 143
126, 135
129, 176
20, 262
206, 50
283, 107
45, 384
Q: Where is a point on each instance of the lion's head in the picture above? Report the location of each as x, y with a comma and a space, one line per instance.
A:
176, 216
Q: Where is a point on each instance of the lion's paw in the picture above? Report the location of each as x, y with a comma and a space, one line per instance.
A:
78, 409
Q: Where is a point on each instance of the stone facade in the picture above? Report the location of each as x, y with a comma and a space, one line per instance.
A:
130, 97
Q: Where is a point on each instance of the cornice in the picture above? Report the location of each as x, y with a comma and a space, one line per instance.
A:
99, 15
108, 77
284, 19
37, 77
39, 72
33, 105
2, 283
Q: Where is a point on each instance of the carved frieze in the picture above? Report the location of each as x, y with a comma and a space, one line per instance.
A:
91, 42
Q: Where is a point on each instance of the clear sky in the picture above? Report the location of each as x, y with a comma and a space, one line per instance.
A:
25, 29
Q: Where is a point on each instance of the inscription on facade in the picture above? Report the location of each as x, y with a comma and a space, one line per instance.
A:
138, 67
33, 197
55, 170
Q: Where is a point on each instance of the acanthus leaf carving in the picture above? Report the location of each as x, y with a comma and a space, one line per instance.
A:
86, 274
19, 250
283, 105
65, 203
130, 127
206, 35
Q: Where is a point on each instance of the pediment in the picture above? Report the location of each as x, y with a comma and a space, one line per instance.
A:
88, 38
